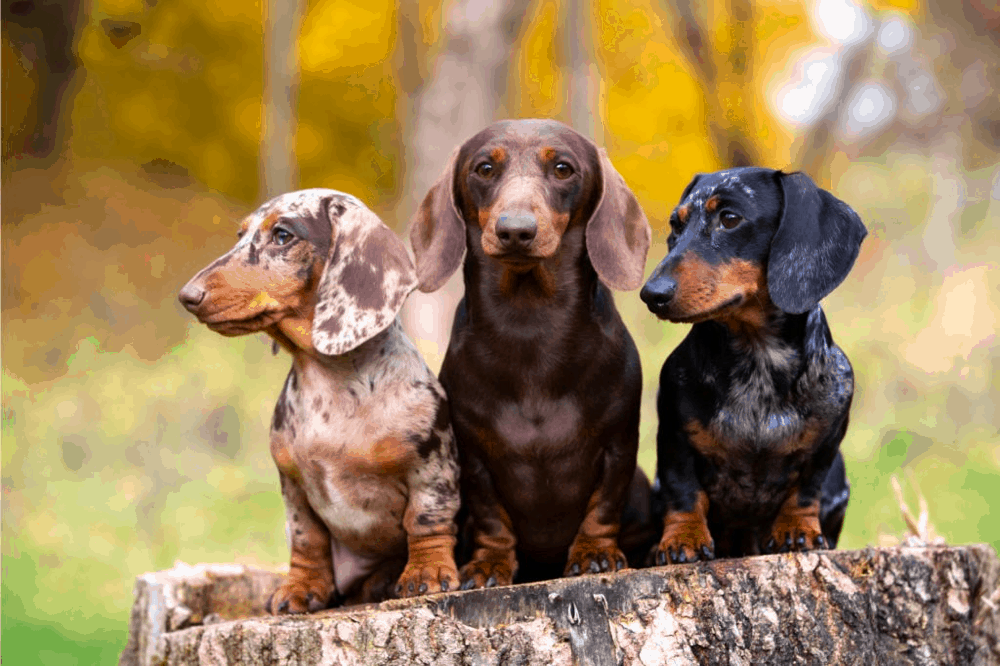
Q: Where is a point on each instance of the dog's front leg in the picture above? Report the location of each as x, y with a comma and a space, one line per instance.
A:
429, 522
686, 537
595, 547
309, 586
797, 526
494, 561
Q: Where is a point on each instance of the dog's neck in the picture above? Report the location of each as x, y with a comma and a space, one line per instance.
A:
770, 346
294, 335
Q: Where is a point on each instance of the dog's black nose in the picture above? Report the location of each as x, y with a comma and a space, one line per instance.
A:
657, 294
516, 231
191, 296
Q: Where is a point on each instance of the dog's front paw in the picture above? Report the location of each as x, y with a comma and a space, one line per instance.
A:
301, 595
797, 533
796, 528
427, 578
594, 556
496, 568
685, 539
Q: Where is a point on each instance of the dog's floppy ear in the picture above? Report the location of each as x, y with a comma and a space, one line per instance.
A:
618, 233
437, 232
368, 275
815, 246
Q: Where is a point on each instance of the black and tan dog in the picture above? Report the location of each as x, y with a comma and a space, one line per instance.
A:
543, 377
753, 404
360, 434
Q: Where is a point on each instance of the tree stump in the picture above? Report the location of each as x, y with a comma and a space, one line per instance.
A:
928, 605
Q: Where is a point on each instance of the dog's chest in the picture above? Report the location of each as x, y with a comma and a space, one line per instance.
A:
536, 423
763, 434
344, 451
759, 410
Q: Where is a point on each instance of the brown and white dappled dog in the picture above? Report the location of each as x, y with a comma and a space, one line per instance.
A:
360, 433
543, 377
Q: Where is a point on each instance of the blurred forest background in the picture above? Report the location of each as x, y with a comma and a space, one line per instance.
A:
136, 133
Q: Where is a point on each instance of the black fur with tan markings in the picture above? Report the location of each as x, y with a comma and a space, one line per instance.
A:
754, 402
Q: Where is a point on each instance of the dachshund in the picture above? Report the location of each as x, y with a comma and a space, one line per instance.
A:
754, 402
543, 377
360, 434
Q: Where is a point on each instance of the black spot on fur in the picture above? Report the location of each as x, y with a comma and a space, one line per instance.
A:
425, 519
326, 417
445, 488
317, 403
363, 281
282, 408
432, 443
253, 256
442, 420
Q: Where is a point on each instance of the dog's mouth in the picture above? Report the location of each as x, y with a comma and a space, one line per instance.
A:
233, 324
519, 263
668, 315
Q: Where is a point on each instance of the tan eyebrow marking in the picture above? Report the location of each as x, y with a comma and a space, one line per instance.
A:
498, 154
683, 212
712, 204
269, 221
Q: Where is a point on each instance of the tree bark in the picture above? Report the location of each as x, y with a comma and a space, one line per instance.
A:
890, 606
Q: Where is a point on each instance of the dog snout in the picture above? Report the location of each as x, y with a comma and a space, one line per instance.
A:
191, 296
657, 293
516, 231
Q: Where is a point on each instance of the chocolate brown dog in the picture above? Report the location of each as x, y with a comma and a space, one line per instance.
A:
360, 434
543, 377
754, 403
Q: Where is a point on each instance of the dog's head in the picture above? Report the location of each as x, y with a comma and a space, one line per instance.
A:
513, 190
316, 265
744, 239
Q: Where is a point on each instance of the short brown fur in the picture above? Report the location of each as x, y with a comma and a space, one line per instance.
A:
543, 376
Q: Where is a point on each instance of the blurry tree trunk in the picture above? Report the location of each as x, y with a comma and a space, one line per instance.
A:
462, 91
585, 103
813, 152
278, 169
44, 36
728, 83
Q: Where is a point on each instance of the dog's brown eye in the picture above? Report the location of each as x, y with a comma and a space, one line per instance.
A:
282, 237
730, 220
485, 170
563, 171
